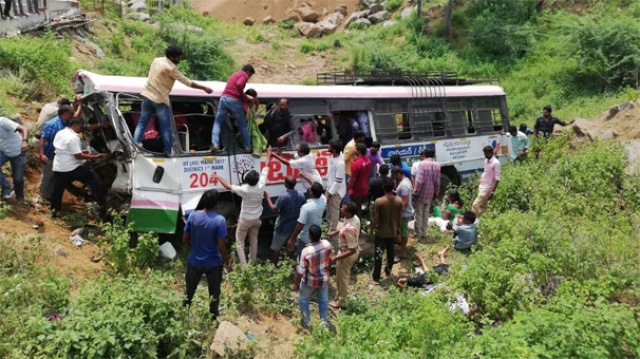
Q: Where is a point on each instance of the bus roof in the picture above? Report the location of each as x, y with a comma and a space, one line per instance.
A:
94, 82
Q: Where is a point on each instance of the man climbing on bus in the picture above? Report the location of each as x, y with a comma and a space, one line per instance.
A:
231, 102
163, 73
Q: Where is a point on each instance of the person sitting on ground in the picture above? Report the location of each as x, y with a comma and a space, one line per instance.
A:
349, 235
421, 281
465, 233
451, 207
312, 275
304, 161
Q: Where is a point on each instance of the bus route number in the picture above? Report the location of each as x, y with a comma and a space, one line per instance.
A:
202, 179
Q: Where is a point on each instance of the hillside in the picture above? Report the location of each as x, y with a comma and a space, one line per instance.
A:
232, 10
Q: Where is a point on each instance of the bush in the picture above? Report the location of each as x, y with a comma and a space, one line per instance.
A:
118, 252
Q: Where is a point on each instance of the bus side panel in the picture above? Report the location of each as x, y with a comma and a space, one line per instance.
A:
196, 176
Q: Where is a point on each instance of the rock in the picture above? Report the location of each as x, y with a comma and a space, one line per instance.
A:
355, 16
138, 6
267, 20
580, 128
407, 12
608, 135
435, 11
291, 66
335, 18
379, 17
140, 16
375, 8
249, 21
264, 67
388, 23
613, 111
229, 338
361, 24
60, 251
368, 3
342, 9
309, 29
307, 14
291, 15
327, 27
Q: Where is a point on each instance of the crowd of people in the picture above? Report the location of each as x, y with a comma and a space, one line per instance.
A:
21, 8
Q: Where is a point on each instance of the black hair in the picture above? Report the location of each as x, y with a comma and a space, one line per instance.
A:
290, 182
351, 207
362, 148
336, 144
523, 127
387, 185
469, 216
487, 149
512, 128
315, 232
252, 177
64, 109
358, 134
248, 69
173, 51
64, 101
395, 159
376, 145
383, 170
455, 196
397, 170
304, 148
251, 92
316, 190
548, 108
429, 153
74, 121
208, 200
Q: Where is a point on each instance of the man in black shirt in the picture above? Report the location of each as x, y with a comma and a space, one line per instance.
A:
546, 122
375, 185
278, 125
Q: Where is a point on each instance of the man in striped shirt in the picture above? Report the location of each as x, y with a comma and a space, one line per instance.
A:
427, 187
312, 275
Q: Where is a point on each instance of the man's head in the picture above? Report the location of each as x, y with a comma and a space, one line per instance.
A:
358, 136
284, 105
316, 190
174, 53
468, 217
397, 174
375, 147
546, 111
362, 149
303, 149
315, 232
395, 160
209, 199
423, 154
252, 177
75, 124
65, 112
523, 128
290, 182
429, 153
387, 185
249, 70
383, 170
64, 101
335, 146
349, 209
513, 130
488, 152
252, 93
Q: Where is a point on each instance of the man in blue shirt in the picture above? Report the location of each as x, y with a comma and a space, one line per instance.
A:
465, 232
47, 151
206, 232
396, 161
288, 208
310, 213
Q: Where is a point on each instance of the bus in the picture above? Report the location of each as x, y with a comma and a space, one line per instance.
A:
406, 113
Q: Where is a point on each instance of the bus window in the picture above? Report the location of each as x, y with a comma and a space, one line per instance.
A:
489, 118
404, 127
386, 127
314, 130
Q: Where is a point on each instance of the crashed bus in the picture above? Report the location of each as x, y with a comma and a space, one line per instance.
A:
406, 113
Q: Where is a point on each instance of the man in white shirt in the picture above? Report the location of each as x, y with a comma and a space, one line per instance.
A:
519, 144
68, 165
13, 145
305, 162
336, 184
249, 222
415, 166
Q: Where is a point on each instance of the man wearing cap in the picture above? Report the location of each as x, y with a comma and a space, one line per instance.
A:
488, 182
13, 146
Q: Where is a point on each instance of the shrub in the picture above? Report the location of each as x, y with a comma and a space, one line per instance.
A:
119, 254
393, 5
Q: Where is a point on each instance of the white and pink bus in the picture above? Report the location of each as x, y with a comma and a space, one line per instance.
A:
406, 114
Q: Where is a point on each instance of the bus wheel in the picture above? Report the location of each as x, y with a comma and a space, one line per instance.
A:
445, 181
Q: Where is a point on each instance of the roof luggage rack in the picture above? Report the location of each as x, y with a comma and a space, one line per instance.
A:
395, 78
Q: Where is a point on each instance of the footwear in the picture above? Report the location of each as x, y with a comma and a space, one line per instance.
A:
7, 193
334, 304
168, 154
387, 271
397, 259
374, 281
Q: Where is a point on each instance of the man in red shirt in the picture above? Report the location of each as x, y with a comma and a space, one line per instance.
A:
231, 102
358, 185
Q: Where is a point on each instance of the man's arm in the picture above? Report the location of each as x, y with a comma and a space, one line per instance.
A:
436, 184
186, 239
295, 234
25, 137
280, 158
222, 247
89, 156
269, 202
223, 182
198, 86
306, 178
43, 159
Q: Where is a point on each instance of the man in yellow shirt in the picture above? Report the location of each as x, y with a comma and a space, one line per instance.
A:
163, 73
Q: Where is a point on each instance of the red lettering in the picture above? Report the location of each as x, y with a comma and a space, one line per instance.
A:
194, 180
213, 180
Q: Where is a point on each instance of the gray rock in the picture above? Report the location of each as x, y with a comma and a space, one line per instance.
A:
361, 24
335, 18
327, 27
375, 8
138, 6
249, 21
264, 67
379, 17
291, 16
368, 3
229, 339
407, 12
309, 29
342, 9
388, 23
140, 16
308, 14
355, 16
267, 20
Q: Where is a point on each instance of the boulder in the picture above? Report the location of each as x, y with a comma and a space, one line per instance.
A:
249, 21
355, 16
335, 18
229, 338
435, 11
361, 24
291, 15
138, 6
327, 27
379, 17
342, 9
309, 29
267, 20
407, 12
368, 3
388, 23
140, 16
375, 8
307, 14
580, 127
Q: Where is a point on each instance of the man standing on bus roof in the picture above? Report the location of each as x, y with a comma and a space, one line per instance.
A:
163, 73
546, 122
488, 182
231, 103
427, 187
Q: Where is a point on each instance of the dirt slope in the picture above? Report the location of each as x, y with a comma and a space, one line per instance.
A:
238, 10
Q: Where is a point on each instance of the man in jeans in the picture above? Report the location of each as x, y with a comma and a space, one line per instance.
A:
288, 208
231, 103
13, 146
336, 183
312, 275
205, 232
310, 214
163, 73
427, 187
